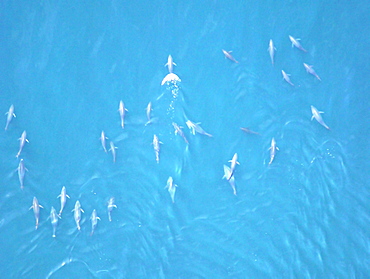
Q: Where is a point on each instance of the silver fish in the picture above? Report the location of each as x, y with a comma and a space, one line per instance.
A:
287, 78
194, 127
233, 162
102, 140
94, 221
229, 56
317, 116
36, 210
22, 140
63, 199
296, 43
249, 131
310, 70
54, 220
148, 111
171, 188
111, 205
272, 149
10, 114
227, 174
178, 131
113, 149
156, 147
122, 111
21, 172
170, 64
271, 49
77, 214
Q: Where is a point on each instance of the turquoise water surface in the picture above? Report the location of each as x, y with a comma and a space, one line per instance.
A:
66, 65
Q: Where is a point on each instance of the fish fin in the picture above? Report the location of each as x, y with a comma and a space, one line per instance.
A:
313, 116
41, 206
68, 196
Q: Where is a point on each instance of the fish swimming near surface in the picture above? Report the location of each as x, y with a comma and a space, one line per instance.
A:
21, 172
122, 110
249, 131
102, 140
296, 43
194, 127
271, 49
229, 56
286, 77
36, 210
94, 221
273, 149
170, 64
10, 114
178, 131
22, 140
227, 174
317, 115
111, 205
63, 199
77, 214
234, 162
156, 147
171, 188
148, 111
113, 150
54, 220
310, 70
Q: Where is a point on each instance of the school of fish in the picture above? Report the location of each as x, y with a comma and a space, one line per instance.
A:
194, 128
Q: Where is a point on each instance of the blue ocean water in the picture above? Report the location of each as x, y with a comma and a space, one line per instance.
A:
66, 66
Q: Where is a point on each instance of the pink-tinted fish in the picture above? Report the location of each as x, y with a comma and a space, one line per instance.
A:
310, 70
296, 43
229, 56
